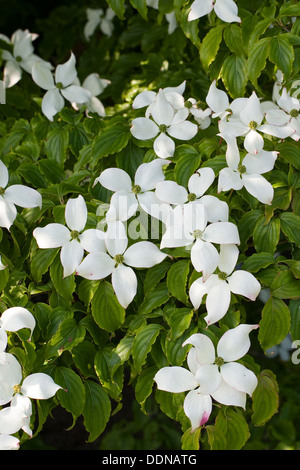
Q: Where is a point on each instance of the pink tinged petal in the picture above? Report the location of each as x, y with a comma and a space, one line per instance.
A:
200, 181
115, 179
204, 258
197, 291
175, 379
3, 340
171, 192
123, 205
42, 76
143, 255
164, 146
66, 73
259, 187
71, 256
208, 377
124, 282
200, 8
197, 408
204, 346
228, 258
8, 442
12, 420
222, 232
244, 283
229, 179
23, 196
16, 318
149, 174
235, 342
239, 377
92, 240
10, 369
143, 128
96, 266
76, 213
217, 302
183, 131
161, 110
52, 103
217, 99
39, 386
76, 94
260, 163
53, 235
116, 240
8, 213
217, 210
3, 175
227, 395
227, 11
253, 142
252, 111
145, 98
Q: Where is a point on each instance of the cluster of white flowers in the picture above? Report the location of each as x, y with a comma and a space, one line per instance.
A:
17, 391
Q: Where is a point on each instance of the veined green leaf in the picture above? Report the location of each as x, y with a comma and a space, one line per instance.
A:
97, 409
275, 323
265, 398
106, 309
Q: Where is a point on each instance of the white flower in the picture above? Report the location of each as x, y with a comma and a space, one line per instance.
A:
188, 227
95, 85
16, 194
15, 319
218, 101
21, 58
8, 442
226, 10
128, 195
286, 116
172, 94
119, 260
59, 87
96, 18
69, 238
248, 174
165, 120
211, 375
219, 287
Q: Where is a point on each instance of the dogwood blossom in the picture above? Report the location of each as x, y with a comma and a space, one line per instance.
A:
97, 17
188, 227
95, 85
118, 261
219, 286
248, 174
14, 195
212, 374
165, 120
147, 97
21, 58
286, 115
129, 195
226, 10
72, 239
59, 87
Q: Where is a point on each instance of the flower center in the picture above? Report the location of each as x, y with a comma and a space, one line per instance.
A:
192, 197
223, 276
19, 58
294, 113
59, 85
118, 259
17, 388
2, 191
136, 189
188, 104
219, 361
242, 169
163, 128
197, 233
74, 235
253, 125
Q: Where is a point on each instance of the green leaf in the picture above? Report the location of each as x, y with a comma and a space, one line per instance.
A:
65, 286
216, 438
142, 344
275, 323
141, 7
118, 6
177, 280
112, 139
106, 309
282, 54
290, 9
234, 75
179, 321
144, 385
258, 261
97, 409
210, 45
155, 274
154, 298
289, 151
191, 440
56, 145
290, 225
72, 398
41, 261
187, 164
285, 286
234, 426
294, 306
266, 235
265, 399
190, 28
68, 335
257, 59
246, 226
233, 39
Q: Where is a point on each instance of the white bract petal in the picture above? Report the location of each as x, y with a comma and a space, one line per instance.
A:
217, 302
8, 213
96, 266
209, 378
42, 76
229, 396
53, 235
143, 128
217, 100
164, 146
12, 420
143, 254
8, 442
149, 174
39, 386
71, 256
235, 342
205, 350
227, 11
92, 240
23, 196
175, 379
76, 94
52, 103
197, 408
171, 192
200, 181
16, 318
3, 175
259, 187
239, 377
66, 73
244, 283
222, 232
115, 179
124, 282
200, 8
76, 213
